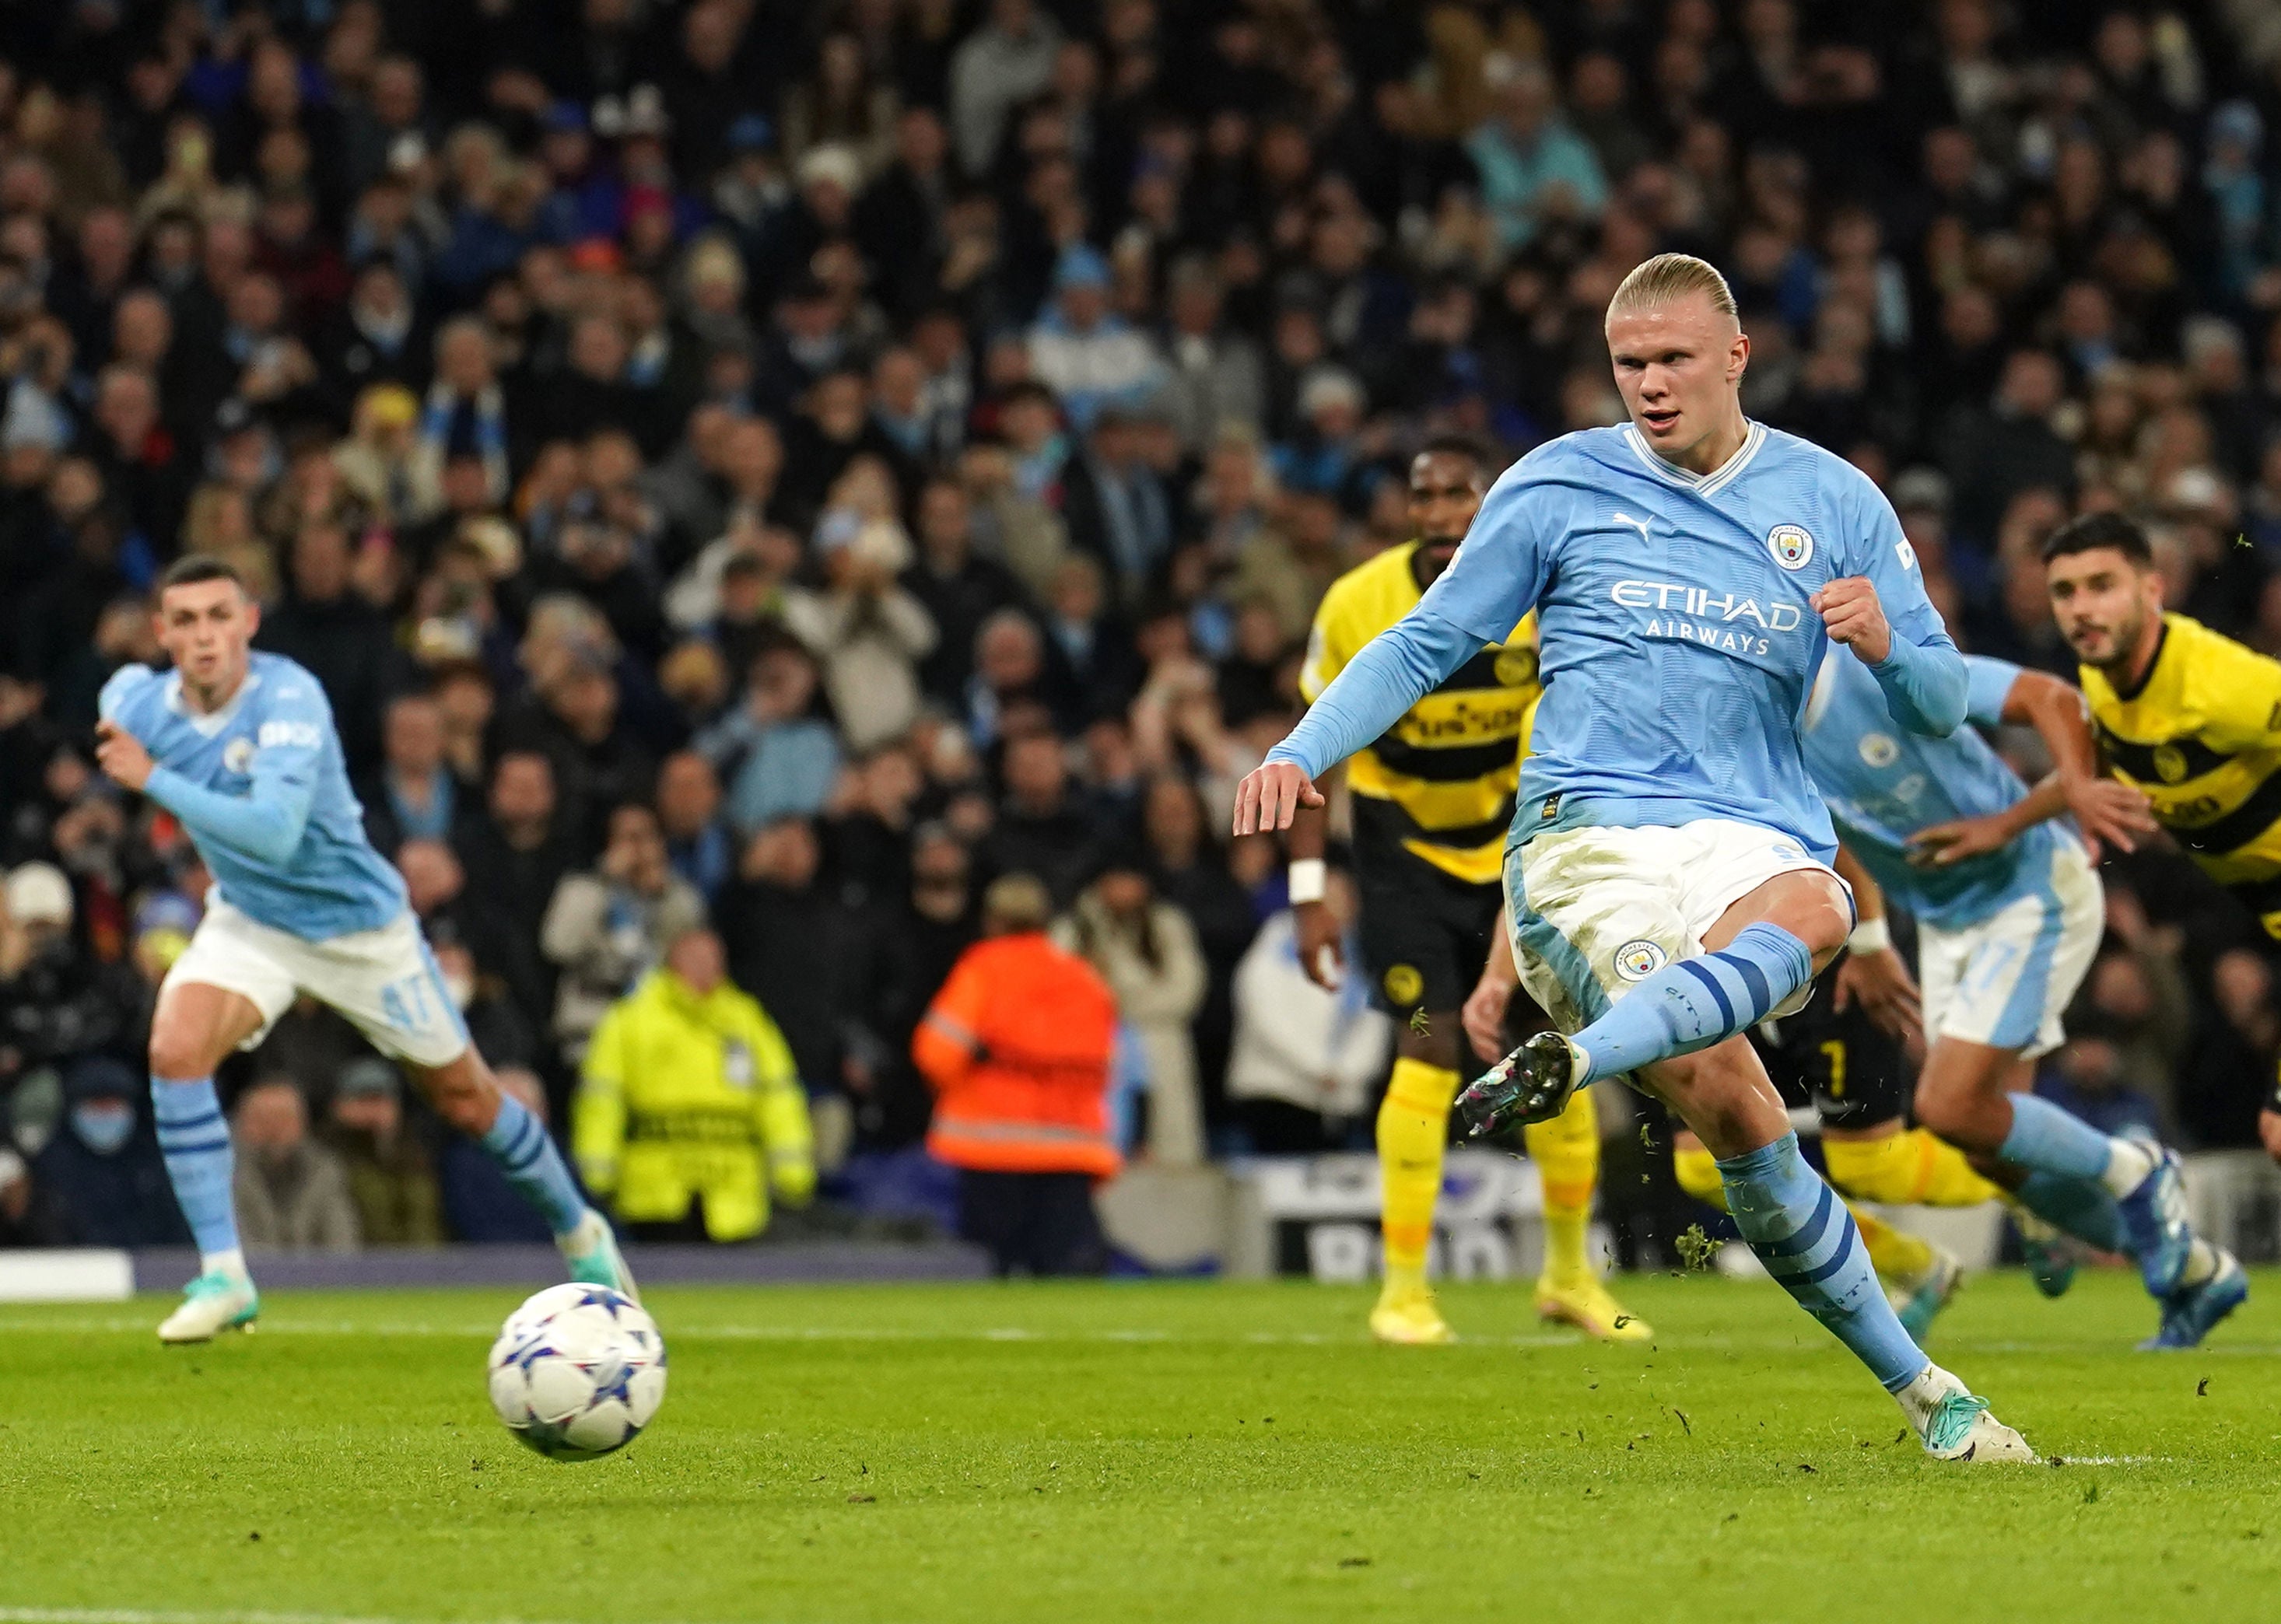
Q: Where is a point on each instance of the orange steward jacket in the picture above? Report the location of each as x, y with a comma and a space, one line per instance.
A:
1016, 1048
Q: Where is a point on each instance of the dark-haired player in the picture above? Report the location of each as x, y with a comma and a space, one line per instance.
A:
2187, 714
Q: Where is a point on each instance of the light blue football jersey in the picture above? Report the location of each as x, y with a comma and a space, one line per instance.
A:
285, 841
1677, 638
1884, 784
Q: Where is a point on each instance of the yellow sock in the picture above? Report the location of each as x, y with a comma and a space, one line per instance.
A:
1566, 1151
1413, 1124
1906, 1169
1895, 1254
1698, 1174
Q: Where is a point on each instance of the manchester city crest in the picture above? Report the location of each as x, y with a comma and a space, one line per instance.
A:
2170, 764
1638, 959
1879, 749
237, 754
1791, 545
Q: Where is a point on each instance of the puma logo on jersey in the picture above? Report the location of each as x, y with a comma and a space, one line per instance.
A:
1638, 524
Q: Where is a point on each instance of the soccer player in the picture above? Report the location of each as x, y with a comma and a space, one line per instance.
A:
2187, 714
2010, 912
241, 748
1432, 801
1669, 872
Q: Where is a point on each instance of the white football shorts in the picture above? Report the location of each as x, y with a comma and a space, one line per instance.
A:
385, 981
2005, 980
1594, 911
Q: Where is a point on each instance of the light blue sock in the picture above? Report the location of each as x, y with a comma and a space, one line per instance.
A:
1805, 1236
1694, 1002
2081, 1207
2044, 1139
194, 1138
519, 1143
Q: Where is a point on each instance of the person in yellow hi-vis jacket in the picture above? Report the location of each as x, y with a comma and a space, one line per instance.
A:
689, 1111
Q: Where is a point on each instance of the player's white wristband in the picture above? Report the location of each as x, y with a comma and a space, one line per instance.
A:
1870, 936
1306, 874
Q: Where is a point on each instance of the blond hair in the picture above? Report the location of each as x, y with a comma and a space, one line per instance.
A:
1668, 277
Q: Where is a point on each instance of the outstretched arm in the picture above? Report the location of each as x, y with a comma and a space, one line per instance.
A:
1395, 670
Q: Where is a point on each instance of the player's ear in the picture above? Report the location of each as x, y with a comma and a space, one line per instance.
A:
1738, 355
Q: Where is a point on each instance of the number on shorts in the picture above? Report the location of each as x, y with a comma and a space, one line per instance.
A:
1834, 1050
405, 1002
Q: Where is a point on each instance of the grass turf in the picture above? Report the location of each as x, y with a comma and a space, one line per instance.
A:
1195, 1452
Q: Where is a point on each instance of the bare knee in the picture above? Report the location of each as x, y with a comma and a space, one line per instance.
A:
180, 1054
462, 1092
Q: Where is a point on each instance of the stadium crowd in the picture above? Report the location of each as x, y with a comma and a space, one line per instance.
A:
788, 465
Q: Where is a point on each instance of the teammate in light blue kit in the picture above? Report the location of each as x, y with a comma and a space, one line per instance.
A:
1668, 870
2009, 914
240, 747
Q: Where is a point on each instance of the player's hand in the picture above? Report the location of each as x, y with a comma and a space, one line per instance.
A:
1483, 1017
1322, 945
121, 756
1880, 982
1271, 796
1852, 615
2110, 813
2268, 1129
1940, 845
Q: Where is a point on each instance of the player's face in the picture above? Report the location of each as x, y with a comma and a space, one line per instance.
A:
2102, 602
1445, 493
206, 627
1678, 366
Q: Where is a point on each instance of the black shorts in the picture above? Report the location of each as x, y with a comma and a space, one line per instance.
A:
1424, 932
1850, 1072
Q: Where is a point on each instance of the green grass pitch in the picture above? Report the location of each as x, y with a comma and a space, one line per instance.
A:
1192, 1453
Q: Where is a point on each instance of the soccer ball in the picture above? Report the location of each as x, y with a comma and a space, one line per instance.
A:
577, 1372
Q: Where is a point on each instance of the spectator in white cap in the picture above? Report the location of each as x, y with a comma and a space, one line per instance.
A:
1083, 351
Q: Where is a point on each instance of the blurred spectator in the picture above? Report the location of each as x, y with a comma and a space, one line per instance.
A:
607, 926
1534, 170
867, 631
689, 815
1016, 1048
2229, 1071
100, 1180
1088, 356
775, 750
389, 1176
1042, 830
292, 1193
414, 797
1305, 1061
689, 1113
958, 588
1145, 950
55, 1002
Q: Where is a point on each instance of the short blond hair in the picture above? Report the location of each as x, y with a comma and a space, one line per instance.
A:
1668, 277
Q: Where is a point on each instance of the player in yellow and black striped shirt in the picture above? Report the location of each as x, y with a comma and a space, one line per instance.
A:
2187, 714
1432, 799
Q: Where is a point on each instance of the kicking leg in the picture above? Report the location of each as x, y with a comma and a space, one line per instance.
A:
468, 1096
1764, 948
193, 1030
1810, 1244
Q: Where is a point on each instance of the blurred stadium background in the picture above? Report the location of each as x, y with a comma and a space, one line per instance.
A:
797, 462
